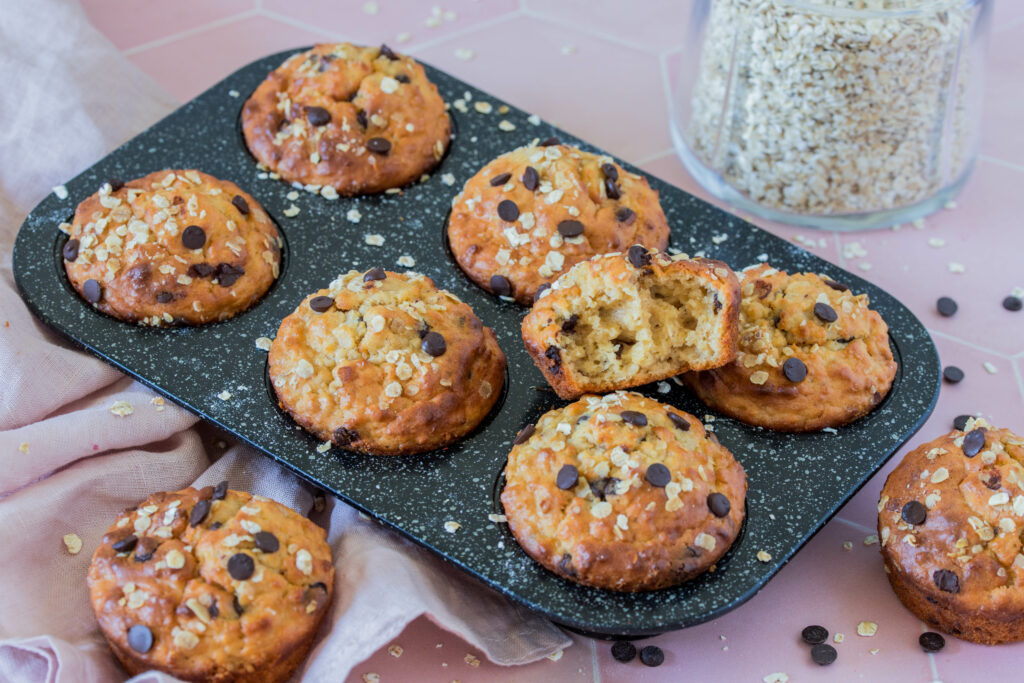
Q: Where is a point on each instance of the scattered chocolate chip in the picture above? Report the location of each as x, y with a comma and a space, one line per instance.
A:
825, 312
144, 549
657, 475
240, 204
507, 210
140, 638
914, 513
543, 287
125, 545
241, 566
318, 116
70, 250
794, 369
373, 274
836, 285
524, 434
611, 189
378, 146
812, 635
634, 418
361, 119
199, 512
973, 442
1013, 303
266, 541
952, 374
500, 179
193, 237
679, 421
623, 651
719, 504
201, 270
500, 285
321, 304
401, 78
567, 477
531, 181
946, 306
115, 184
946, 581
552, 354
343, 436
610, 171
549, 142
92, 291
625, 215
651, 655
386, 51
220, 490
823, 654
931, 641
638, 256
164, 297
433, 344
569, 326
570, 228
603, 487
228, 274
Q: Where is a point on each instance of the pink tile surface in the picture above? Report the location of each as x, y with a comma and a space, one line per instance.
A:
609, 90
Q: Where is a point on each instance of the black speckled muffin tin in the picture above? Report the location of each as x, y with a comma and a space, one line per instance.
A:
796, 482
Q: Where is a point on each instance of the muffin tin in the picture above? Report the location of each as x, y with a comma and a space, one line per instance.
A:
797, 482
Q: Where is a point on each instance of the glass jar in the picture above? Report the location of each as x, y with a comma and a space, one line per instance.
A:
838, 114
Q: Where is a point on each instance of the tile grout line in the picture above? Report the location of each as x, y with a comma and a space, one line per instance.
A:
931, 657
855, 525
601, 35
1001, 162
976, 347
195, 30
459, 33
593, 661
1020, 379
654, 156
666, 88
298, 23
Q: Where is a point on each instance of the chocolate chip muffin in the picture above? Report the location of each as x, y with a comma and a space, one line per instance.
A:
355, 119
949, 521
533, 213
386, 363
172, 248
811, 355
211, 585
623, 492
622, 320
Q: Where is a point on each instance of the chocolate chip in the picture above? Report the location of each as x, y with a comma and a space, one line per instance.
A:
716, 303
960, 422
1013, 303
343, 436
422, 329
657, 475
199, 512
544, 286
524, 434
623, 651
115, 184
500, 285
552, 354
401, 78
361, 118
433, 344
530, 178
318, 116
679, 421
836, 285
508, 211
634, 418
994, 481
603, 487
386, 51
625, 215
812, 635
610, 171
570, 228
321, 304
567, 477
125, 545
651, 655
140, 638
193, 237
144, 549
549, 142
220, 490
569, 326
70, 250
973, 442
638, 256
216, 525
952, 374
240, 204
500, 179
719, 504
375, 274
825, 312
378, 146
241, 566
794, 369
931, 641
946, 581
266, 541
946, 306
236, 605
201, 270
565, 564
228, 274
164, 297
914, 513
611, 189
214, 610
92, 291
823, 654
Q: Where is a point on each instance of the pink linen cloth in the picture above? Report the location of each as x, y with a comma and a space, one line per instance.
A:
69, 465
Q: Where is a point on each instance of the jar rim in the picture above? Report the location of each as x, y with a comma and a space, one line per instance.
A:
926, 7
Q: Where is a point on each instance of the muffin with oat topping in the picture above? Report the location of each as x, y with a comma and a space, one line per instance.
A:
949, 525
623, 492
622, 320
347, 119
811, 355
212, 585
386, 363
172, 248
533, 213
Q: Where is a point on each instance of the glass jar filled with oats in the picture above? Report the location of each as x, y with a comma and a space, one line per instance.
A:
839, 114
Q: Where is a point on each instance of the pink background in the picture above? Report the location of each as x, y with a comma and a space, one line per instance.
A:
612, 89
